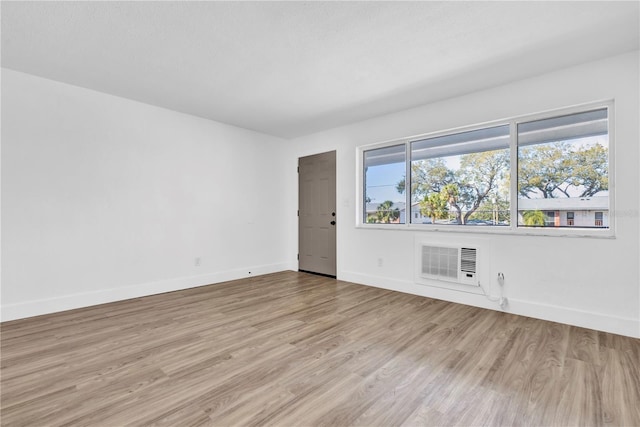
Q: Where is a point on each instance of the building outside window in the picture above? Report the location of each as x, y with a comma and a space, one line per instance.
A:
570, 218
599, 221
549, 219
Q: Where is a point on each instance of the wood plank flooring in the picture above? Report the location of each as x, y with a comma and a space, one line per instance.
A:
293, 349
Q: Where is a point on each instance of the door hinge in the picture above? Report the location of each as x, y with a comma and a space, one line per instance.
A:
298, 169
298, 213
298, 257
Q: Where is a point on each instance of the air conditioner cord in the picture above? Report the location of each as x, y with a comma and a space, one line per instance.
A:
501, 300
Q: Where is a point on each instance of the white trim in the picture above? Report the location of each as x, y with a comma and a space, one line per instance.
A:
612, 167
102, 296
493, 230
570, 316
513, 183
627, 326
360, 193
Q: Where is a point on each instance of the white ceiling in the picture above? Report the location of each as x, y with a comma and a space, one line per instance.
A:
294, 68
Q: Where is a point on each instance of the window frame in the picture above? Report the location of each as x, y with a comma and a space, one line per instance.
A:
596, 219
361, 214
571, 219
512, 228
549, 218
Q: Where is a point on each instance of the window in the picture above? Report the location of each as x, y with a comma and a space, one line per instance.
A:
563, 164
598, 222
549, 219
570, 218
541, 171
462, 178
384, 169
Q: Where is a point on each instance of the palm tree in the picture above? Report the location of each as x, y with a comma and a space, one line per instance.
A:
434, 205
386, 214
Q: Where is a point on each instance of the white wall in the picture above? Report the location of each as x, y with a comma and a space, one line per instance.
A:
105, 198
589, 282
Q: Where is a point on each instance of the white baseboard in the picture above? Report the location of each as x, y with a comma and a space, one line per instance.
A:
602, 322
571, 316
598, 321
86, 299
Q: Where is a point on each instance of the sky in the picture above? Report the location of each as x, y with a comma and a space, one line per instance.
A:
382, 181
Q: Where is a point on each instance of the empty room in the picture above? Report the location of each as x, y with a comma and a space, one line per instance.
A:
343, 213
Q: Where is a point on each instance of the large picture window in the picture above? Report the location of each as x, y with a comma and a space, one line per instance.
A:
545, 171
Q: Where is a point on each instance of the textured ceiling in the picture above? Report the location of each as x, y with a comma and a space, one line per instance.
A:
294, 68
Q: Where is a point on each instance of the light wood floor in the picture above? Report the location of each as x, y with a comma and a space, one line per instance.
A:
296, 349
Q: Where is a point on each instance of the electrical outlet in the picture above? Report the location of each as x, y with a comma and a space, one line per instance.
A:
380, 262
197, 261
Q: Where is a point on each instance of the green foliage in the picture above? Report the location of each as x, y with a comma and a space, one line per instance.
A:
434, 206
386, 213
427, 176
494, 210
591, 170
533, 218
559, 169
480, 176
479, 188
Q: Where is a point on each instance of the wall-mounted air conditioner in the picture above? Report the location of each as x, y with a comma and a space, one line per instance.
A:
457, 264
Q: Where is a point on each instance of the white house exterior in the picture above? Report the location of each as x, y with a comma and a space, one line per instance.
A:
416, 215
570, 211
372, 210
559, 212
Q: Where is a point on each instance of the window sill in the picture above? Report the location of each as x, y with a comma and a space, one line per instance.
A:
488, 230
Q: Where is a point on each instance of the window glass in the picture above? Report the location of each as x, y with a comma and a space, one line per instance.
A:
560, 176
570, 218
384, 171
462, 178
550, 219
563, 165
599, 219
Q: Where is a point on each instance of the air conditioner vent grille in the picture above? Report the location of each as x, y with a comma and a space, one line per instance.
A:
455, 264
468, 260
440, 261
